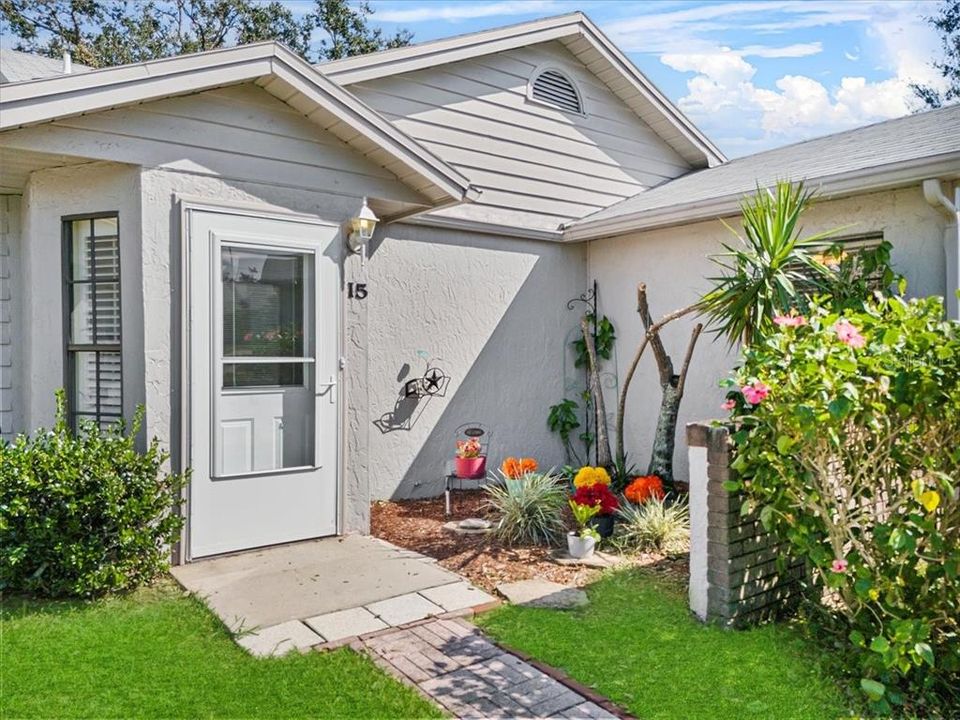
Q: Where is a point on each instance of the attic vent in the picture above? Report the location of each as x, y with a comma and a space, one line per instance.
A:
555, 88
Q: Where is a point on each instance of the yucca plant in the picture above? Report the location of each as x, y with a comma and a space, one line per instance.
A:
656, 524
530, 508
761, 278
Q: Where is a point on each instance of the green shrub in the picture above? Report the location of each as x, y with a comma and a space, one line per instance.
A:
655, 525
84, 514
848, 446
530, 509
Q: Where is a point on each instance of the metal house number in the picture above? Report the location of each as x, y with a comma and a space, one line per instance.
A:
356, 291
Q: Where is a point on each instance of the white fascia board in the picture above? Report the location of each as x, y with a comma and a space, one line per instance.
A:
829, 187
424, 218
459, 47
631, 72
38, 101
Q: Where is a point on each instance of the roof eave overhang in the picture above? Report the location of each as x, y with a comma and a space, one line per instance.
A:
829, 187
277, 69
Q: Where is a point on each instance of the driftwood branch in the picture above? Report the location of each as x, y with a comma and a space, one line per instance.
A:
604, 458
652, 331
681, 381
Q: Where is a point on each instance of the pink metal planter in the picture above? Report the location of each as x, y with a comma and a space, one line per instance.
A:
471, 468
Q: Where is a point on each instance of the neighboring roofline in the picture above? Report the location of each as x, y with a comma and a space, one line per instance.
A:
463, 47
32, 102
854, 182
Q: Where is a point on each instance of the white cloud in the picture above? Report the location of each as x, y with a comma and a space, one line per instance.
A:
463, 11
785, 51
724, 98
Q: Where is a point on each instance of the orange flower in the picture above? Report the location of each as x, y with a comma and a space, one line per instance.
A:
518, 467
643, 488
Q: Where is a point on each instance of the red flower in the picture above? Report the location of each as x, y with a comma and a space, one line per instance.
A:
643, 488
597, 494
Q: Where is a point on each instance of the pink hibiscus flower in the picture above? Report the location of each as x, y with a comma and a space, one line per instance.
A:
839, 565
729, 404
755, 392
790, 320
848, 334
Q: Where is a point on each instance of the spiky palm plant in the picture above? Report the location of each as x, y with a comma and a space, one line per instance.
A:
530, 509
760, 278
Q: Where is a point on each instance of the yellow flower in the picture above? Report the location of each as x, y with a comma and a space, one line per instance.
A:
873, 593
921, 567
588, 476
930, 500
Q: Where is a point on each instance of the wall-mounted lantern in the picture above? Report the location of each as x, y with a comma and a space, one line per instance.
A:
361, 229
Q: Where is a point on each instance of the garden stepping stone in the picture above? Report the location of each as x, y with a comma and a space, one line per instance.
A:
457, 596
346, 623
279, 639
543, 594
470, 526
596, 560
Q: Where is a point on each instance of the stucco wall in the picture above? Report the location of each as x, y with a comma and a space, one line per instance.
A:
673, 262
10, 321
50, 195
491, 312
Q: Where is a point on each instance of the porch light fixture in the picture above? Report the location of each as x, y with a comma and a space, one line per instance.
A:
361, 228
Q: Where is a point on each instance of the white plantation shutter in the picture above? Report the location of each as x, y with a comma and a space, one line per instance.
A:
93, 290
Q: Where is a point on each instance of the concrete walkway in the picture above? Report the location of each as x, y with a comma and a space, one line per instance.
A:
451, 662
301, 595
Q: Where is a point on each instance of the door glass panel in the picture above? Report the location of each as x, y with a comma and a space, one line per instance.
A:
238, 375
263, 303
266, 401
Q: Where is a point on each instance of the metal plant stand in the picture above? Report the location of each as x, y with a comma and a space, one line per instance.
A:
477, 431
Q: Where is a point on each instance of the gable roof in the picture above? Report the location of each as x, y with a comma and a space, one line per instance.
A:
581, 37
16, 66
276, 69
876, 157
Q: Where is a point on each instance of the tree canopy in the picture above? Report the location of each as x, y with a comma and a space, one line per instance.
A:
947, 23
102, 33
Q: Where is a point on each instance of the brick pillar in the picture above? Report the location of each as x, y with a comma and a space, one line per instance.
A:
734, 578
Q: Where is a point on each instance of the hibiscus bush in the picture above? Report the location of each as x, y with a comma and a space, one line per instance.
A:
847, 434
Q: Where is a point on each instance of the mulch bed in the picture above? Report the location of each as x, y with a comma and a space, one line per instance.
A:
418, 525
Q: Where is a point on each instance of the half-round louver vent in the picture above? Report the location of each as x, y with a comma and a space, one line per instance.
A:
555, 88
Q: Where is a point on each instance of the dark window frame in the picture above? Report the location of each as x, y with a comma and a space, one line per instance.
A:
70, 348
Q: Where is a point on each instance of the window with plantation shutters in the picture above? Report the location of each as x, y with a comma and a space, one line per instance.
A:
92, 323
554, 88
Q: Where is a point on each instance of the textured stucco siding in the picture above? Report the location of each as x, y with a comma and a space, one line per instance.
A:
674, 263
492, 314
49, 196
10, 325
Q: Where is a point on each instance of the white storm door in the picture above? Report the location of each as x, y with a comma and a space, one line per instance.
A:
263, 329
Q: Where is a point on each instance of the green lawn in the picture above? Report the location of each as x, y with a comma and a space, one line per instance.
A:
637, 644
160, 654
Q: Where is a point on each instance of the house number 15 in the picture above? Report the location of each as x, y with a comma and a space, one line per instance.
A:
356, 291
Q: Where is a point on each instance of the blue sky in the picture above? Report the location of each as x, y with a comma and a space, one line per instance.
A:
752, 74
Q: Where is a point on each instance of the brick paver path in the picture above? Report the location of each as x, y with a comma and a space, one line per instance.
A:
450, 661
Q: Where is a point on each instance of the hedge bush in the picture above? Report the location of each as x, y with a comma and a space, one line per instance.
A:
848, 445
85, 513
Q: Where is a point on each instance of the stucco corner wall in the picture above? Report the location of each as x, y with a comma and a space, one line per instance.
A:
11, 326
491, 313
674, 263
49, 196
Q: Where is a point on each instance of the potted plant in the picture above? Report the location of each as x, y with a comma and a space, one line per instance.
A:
593, 489
470, 462
582, 541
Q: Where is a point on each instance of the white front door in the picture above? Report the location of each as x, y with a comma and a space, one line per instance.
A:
263, 329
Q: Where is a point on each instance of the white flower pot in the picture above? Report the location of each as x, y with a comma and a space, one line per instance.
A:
580, 547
